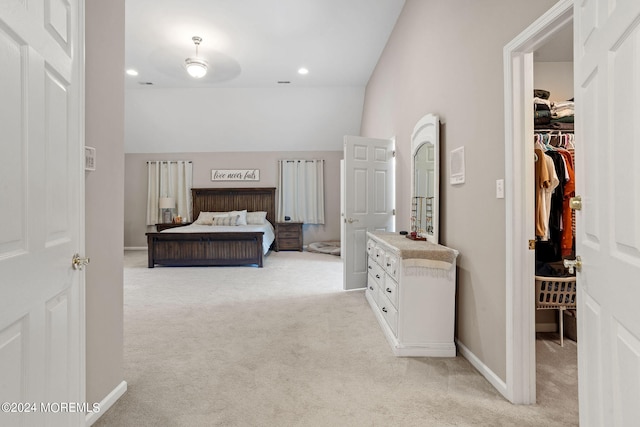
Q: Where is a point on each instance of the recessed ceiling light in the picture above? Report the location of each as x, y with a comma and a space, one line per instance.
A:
303, 71
132, 72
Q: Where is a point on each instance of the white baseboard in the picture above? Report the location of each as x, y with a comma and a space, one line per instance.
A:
107, 403
135, 248
484, 370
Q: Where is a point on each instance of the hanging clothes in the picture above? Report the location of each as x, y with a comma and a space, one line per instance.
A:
555, 185
566, 242
557, 201
542, 181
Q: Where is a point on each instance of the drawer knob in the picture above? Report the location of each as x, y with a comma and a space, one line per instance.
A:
377, 276
388, 265
371, 287
384, 309
388, 290
370, 268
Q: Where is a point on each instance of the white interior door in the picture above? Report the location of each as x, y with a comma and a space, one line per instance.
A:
41, 195
369, 201
607, 80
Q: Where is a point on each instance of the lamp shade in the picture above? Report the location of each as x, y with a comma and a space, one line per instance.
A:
167, 203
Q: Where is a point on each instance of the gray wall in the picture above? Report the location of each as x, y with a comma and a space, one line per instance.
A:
445, 57
136, 189
104, 130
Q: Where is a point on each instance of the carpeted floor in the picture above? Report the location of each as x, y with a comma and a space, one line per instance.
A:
285, 346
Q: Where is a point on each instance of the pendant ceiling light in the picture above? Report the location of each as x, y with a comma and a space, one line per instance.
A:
196, 67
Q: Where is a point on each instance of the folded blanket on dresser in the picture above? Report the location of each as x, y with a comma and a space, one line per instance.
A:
418, 253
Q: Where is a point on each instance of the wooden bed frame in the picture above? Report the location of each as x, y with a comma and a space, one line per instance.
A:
228, 248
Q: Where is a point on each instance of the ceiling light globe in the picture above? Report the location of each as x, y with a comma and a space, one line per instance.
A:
196, 67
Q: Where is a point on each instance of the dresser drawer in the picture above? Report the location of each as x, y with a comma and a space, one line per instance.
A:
390, 289
391, 265
372, 287
376, 272
284, 234
379, 254
288, 244
371, 247
388, 311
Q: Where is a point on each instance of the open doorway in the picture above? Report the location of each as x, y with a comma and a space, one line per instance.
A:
553, 145
520, 199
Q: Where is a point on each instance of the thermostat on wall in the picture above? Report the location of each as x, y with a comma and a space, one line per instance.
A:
89, 158
457, 166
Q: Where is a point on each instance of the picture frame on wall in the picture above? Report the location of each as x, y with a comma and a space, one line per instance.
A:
457, 167
235, 174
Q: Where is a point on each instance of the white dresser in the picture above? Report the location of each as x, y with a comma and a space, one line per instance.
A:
411, 288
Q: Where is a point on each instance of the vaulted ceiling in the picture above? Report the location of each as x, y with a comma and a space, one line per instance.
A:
257, 43
252, 98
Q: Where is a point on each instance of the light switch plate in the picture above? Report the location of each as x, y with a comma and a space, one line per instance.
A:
500, 189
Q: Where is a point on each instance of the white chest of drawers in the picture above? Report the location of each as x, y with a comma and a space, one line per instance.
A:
411, 288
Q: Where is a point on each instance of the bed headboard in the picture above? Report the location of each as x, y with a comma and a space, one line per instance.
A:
234, 199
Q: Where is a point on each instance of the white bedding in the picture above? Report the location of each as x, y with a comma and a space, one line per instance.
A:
267, 239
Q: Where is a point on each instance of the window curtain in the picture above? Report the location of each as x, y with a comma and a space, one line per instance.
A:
169, 179
301, 191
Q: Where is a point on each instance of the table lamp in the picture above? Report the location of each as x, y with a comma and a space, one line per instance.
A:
166, 204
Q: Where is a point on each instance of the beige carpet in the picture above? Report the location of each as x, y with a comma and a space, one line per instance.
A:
285, 346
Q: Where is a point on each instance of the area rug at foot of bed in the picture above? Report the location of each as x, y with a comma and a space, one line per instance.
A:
331, 247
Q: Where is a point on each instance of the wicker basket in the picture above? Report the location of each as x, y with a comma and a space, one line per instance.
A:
556, 293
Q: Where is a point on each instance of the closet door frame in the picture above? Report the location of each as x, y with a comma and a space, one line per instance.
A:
520, 384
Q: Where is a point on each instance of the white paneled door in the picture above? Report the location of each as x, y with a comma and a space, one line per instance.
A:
369, 201
41, 204
607, 81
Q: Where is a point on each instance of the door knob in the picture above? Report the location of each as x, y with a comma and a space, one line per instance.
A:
575, 203
573, 264
351, 220
78, 262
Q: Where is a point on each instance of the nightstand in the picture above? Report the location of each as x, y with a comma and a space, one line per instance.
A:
160, 227
288, 236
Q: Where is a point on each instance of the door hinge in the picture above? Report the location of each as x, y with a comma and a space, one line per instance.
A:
532, 245
393, 153
394, 212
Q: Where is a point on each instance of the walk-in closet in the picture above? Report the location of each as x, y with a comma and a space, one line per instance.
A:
553, 148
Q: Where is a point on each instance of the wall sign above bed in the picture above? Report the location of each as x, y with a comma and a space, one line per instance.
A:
235, 174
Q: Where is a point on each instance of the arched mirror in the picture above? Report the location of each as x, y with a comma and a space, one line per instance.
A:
425, 183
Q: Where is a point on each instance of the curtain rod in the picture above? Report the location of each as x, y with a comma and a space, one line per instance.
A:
168, 161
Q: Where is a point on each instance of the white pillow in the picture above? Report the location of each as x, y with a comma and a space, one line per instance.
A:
242, 216
225, 220
258, 217
206, 218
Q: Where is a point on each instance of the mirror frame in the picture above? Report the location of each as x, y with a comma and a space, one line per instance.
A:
427, 131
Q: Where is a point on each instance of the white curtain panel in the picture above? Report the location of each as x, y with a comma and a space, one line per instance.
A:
301, 191
169, 179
